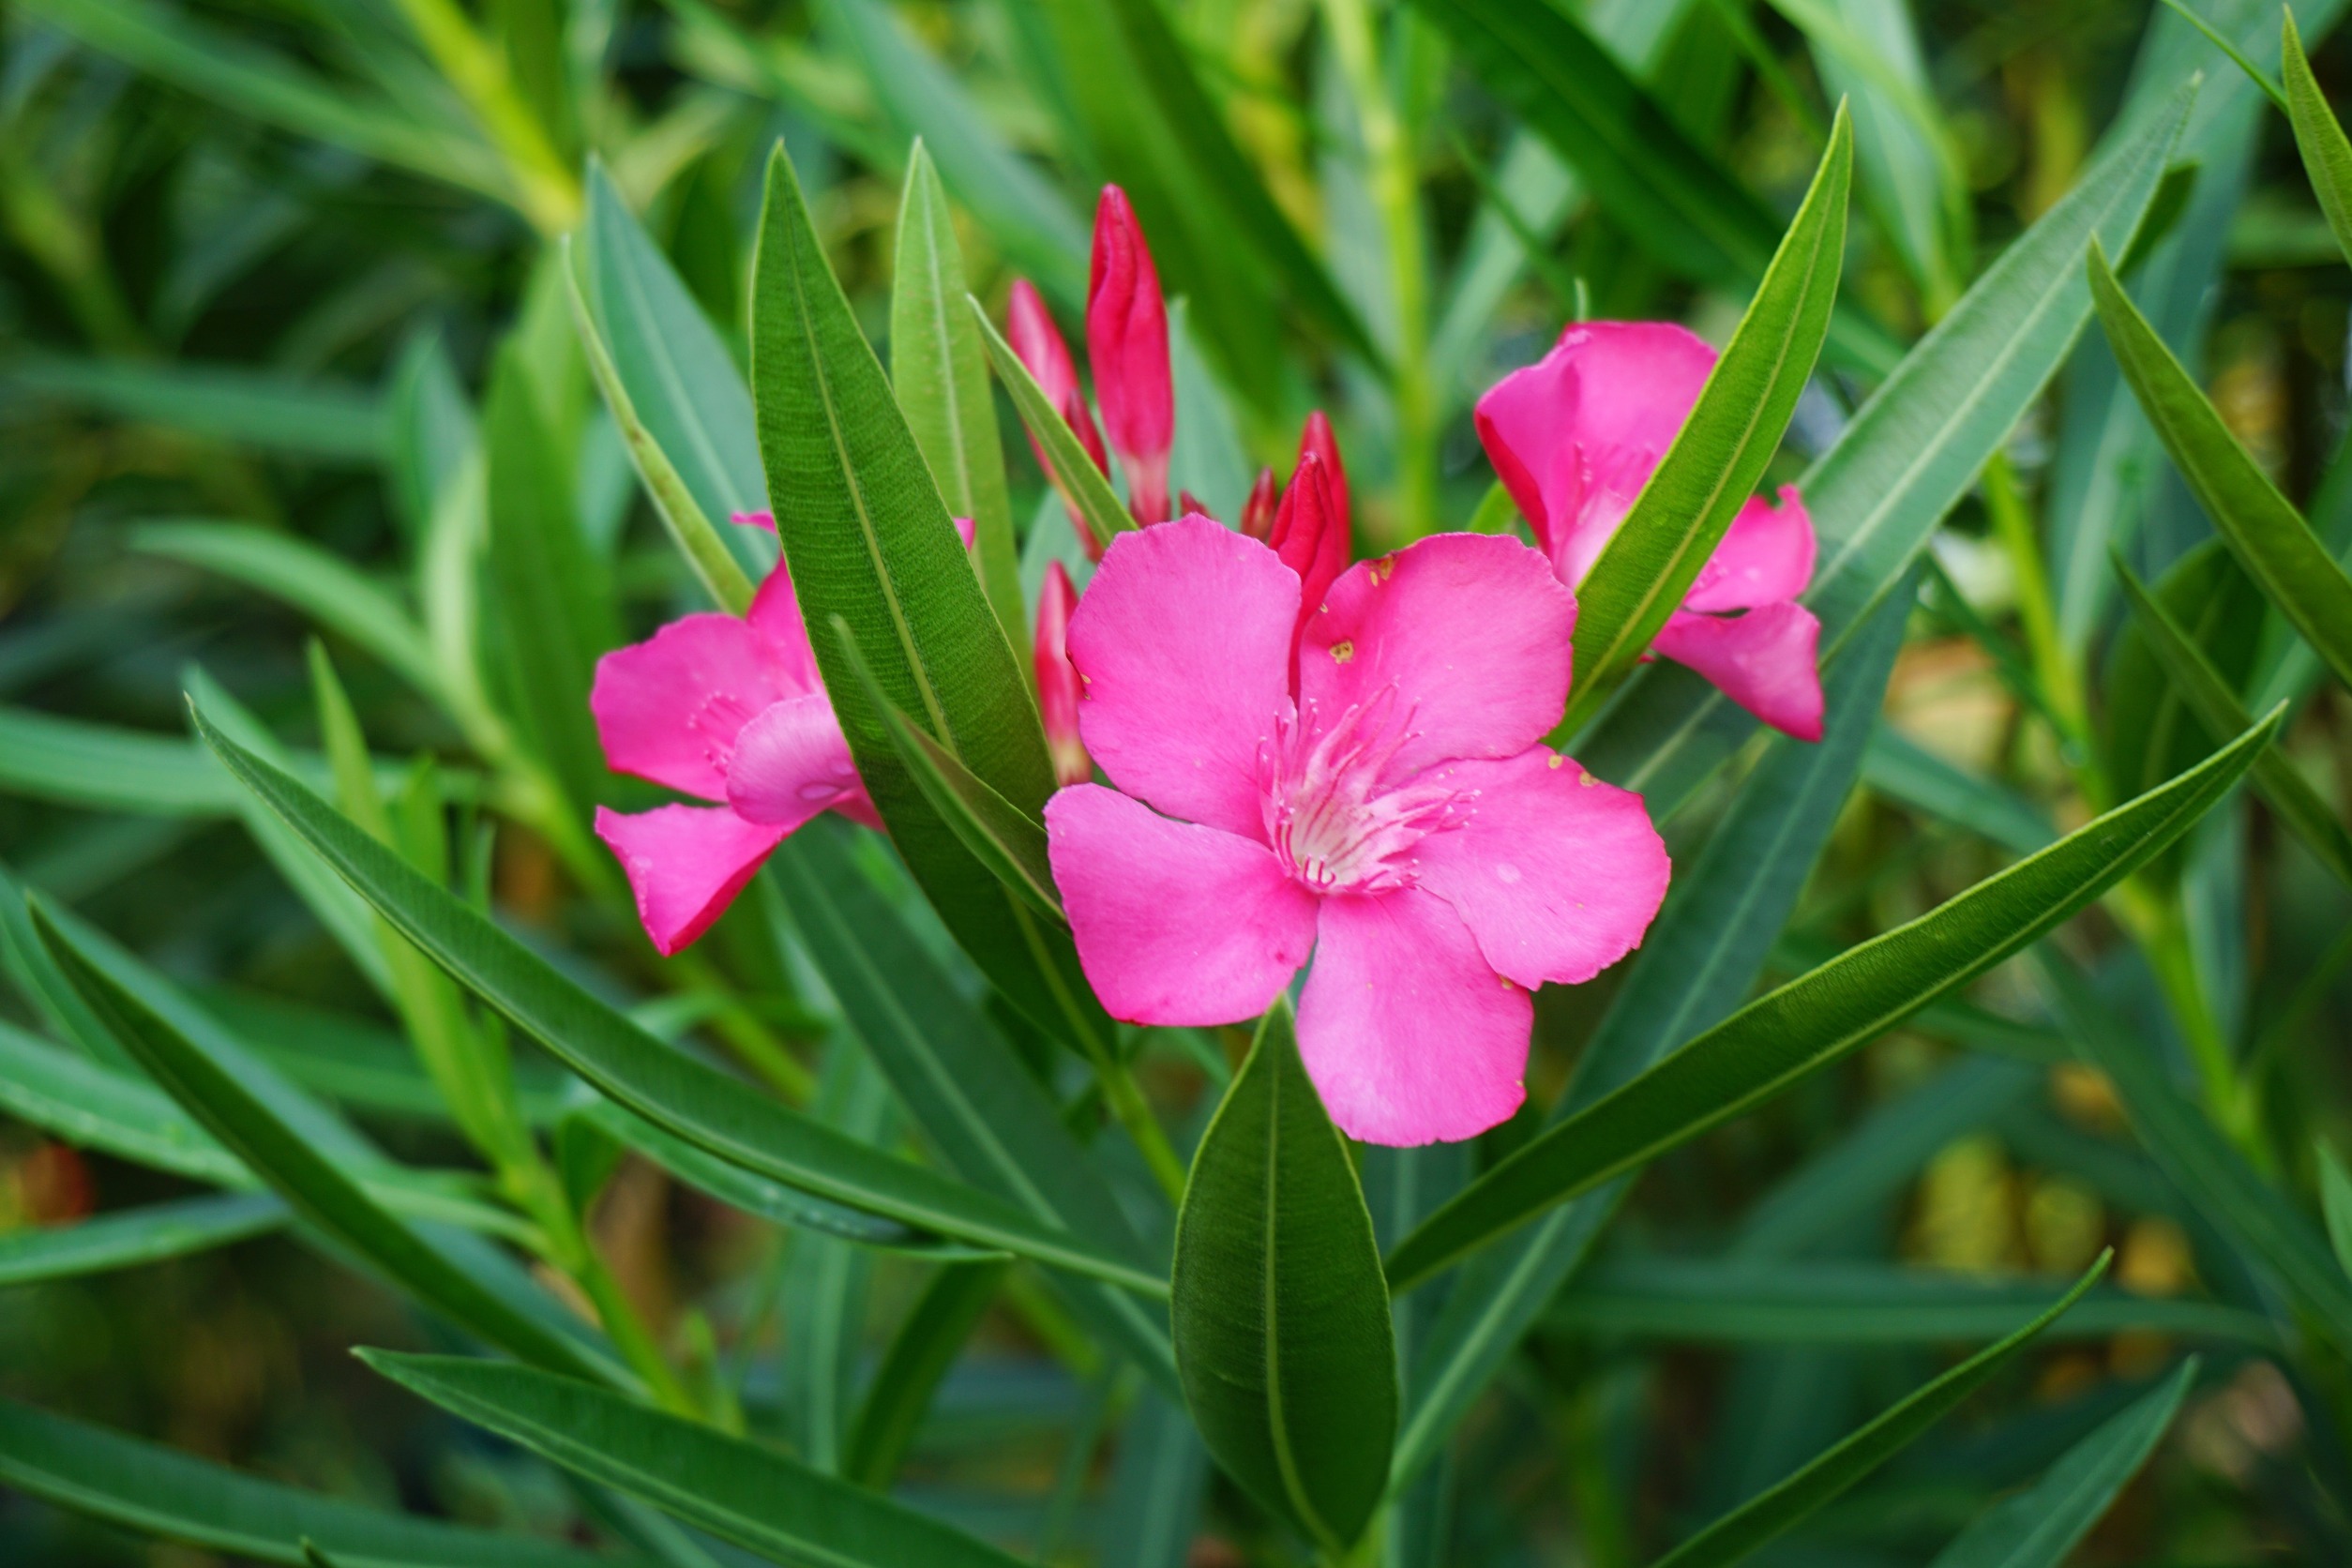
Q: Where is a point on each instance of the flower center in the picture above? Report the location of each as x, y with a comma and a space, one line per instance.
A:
1337, 824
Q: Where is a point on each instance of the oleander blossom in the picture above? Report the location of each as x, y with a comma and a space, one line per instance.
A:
1391, 808
1575, 436
730, 710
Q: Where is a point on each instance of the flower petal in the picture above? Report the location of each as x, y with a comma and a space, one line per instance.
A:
1409, 1035
686, 864
1182, 645
792, 762
1762, 661
1471, 630
669, 708
774, 615
1556, 873
1575, 435
1175, 924
1766, 556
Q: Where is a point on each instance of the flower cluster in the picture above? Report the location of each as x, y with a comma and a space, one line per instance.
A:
1308, 757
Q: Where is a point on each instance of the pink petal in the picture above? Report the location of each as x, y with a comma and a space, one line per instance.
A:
686, 864
753, 519
791, 762
1037, 342
964, 530
1175, 924
1762, 661
1556, 873
1766, 555
1257, 507
774, 615
1471, 632
1575, 436
1126, 340
1409, 1035
1183, 649
668, 709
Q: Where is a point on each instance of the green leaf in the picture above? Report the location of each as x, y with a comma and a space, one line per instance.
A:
150, 1488
2184, 1141
2267, 535
1007, 840
1869, 54
682, 403
870, 541
758, 1194
1705, 1301
430, 429
1699, 960
1907, 458
1718, 457
2218, 710
1018, 209
736, 1491
2335, 1197
1107, 517
1821, 1016
550, 602
1216, 233
322, 421
1280, 1314
314, 1183
127, 1238
972, 1096
1639, 164
1905, 772
1775, 1511
2041, 1526
668, 1088
920, 1355
321, 585
941, 377
99, 767
2318, 136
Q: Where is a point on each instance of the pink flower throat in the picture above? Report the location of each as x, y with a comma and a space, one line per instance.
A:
1337, 824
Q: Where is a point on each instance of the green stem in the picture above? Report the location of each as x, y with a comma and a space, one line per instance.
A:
1396, 195
536, 1188
547, 190
1127, 1101
2061, 683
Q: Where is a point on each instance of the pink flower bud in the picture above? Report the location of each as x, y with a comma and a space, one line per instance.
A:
1082, 424
1057, 679
1126, 340
1038, 341
1258, 512
1316, 438
1191, 505
1310, 534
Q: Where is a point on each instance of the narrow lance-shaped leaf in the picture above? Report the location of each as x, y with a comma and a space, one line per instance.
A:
2041, 1526
920, 1355
2318, 135
1720, 454
673, 1091
739, 1491
870, 541
941, 375
1816, 1020
1280, 1313
127, 1238
1097, 504
2267, 535
2219, 710
159, 1491
1002, 838
1775, 1511
311, 1182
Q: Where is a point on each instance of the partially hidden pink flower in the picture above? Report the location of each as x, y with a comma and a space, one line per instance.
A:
1575, 436
1057, 680
1037, 342
732, 711
1126, 345
1390, 809
1257, 507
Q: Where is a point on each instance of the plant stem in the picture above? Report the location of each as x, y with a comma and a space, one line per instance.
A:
546, 189
534, 1186
1395, 194
1127, 1101
2061, 683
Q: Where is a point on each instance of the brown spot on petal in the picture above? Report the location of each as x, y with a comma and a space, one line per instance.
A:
1342, 651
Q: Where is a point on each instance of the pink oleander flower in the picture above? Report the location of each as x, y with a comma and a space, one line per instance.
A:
1389, 808
1126, 341
1056, 681
732, 711
1316, 441
1575, 436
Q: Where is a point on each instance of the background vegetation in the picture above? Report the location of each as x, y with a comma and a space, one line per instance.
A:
282, 281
